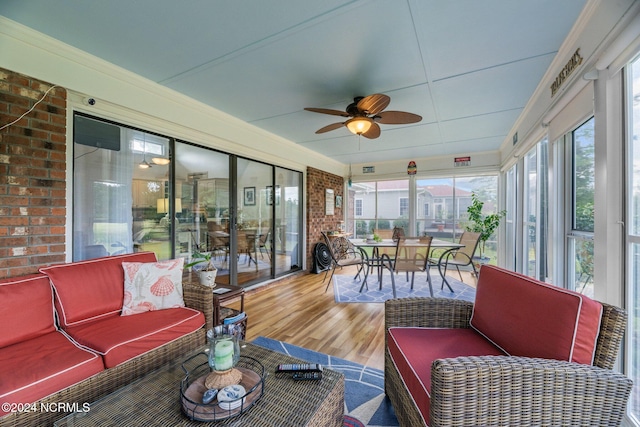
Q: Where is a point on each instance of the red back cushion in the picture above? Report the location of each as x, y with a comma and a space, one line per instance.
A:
26, 308
526, 317
88, 290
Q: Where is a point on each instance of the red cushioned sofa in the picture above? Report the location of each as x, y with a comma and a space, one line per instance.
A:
65, 341
525, 353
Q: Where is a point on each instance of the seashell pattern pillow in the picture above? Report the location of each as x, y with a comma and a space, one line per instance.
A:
152, 286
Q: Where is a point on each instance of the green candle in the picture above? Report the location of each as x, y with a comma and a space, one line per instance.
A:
224, 355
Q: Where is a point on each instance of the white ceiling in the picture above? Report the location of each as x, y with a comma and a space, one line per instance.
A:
468, 67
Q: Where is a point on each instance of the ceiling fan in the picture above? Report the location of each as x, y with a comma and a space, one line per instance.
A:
366, 112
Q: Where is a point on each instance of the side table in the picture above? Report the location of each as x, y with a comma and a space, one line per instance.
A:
222, 294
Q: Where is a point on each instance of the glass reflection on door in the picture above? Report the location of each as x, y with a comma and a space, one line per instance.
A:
255, 200
287, 227
202, 188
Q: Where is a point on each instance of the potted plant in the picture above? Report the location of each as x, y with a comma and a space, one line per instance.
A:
206, 270
485, 224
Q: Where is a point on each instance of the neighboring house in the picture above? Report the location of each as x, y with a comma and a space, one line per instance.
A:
435, 203
442, 202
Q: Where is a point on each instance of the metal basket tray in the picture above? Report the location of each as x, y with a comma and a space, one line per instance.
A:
192, 389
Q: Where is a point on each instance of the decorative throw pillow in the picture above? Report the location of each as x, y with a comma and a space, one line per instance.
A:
152, 286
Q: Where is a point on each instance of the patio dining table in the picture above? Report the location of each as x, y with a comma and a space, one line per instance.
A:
389, 243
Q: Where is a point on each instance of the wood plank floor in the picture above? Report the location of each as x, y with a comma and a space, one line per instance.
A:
299, 311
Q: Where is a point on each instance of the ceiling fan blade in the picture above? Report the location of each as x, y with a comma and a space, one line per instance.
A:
373, 132
330, 127
328, 111
396, 117
373, 104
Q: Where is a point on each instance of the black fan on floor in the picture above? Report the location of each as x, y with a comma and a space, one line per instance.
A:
321, 258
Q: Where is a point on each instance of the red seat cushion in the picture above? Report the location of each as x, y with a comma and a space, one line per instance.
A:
89, 290
19, 324
413, 350
36, 368
526, 317
120, 338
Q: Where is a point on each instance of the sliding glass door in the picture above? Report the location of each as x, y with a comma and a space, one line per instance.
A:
202, 191
138, 191
255, 198
287, 226
118, 190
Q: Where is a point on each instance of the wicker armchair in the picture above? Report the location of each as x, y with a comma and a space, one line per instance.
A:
504, 390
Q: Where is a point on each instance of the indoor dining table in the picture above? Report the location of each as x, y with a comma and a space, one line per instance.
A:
389, 243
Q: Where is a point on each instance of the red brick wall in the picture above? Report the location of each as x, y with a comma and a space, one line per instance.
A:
32, 174
317, 182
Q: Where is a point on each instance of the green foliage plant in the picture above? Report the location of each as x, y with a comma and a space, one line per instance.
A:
479, 222
198, 258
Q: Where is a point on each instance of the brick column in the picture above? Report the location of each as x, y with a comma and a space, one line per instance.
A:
32, 174
317, 182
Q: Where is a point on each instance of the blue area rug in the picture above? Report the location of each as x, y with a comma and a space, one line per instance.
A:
346, 289
364, 397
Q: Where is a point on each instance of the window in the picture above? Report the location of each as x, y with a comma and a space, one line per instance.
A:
404, 207
580, 234
633, 237
440, 203
358, 207
530, 213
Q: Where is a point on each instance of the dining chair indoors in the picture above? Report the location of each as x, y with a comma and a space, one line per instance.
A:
264, 242
397, 233
458, 257
383, 233
411, 256
344, 254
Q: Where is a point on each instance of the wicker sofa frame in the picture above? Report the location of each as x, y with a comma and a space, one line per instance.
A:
195, 296
506, 390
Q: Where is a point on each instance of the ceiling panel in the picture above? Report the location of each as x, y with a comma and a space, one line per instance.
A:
491, 90
489, 32
467, 67
318, 65
482, 126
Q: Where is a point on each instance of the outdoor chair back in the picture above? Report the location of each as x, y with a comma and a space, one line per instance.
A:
343, 254
264, 243
461, 257
412, 255
398, 232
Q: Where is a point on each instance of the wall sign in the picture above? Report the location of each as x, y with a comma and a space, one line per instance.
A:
329, 202
368, 169
571, 65
461, 161
412, 169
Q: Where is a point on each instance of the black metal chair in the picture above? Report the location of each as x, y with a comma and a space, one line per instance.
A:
343, 254
264, 244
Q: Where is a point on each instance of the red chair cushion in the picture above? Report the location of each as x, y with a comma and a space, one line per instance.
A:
526, 317
36, 368
120, 338
89, 290
18, 323
413, 350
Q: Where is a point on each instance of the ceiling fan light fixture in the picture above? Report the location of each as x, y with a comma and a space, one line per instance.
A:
359, 125
162, 161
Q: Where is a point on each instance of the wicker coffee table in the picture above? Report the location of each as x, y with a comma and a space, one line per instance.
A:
155, 400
